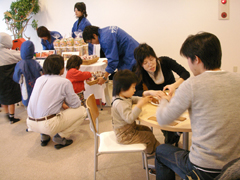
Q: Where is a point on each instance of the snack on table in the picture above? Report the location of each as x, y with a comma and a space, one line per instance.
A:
78, 49
58, 50
72, 45
89, 59
94, 78
64, 49
155, 101
85, 49
78, 41
44, 54
70, 41
56, 43
63, 42
70, 49
38, 55
66, 56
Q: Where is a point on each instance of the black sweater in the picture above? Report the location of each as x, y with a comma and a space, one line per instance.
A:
167, 65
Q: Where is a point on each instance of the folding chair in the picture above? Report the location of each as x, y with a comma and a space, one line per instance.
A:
107, 140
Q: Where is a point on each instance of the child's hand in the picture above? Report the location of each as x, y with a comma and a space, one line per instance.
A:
143, 101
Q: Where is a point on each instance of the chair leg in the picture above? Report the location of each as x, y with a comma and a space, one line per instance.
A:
146, 165
143, 160
95, 156
100, 103
95, 165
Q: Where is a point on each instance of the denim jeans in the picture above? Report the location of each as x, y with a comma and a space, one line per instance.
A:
170, 160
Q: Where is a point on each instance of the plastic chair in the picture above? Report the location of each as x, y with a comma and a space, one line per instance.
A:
108, 143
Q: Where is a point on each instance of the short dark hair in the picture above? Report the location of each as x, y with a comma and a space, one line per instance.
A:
122, 81
204, 45
53, 64
42, 31
80, 6
89, 31
73, 62
140, 53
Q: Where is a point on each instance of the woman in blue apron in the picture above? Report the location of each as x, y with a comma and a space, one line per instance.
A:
81, 23
48, 37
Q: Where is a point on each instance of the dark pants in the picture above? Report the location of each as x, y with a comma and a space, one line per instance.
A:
170, 160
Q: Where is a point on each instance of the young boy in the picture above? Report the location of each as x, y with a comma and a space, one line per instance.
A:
27, 71
124, 125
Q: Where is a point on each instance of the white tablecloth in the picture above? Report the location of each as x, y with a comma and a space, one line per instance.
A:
97, 90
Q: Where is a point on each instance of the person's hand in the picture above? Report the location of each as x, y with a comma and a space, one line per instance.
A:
157, 94
144, 100
101, 81
167, 97
171, 89
64, 106
106, 61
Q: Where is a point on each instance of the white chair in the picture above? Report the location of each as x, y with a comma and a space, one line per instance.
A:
108, 143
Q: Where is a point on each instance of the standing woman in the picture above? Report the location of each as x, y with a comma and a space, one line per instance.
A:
156, 73
82, 22
10, 92
48, 37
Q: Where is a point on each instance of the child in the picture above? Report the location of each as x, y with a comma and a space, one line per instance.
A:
27, 71
10, 92
44, 108
124, 125
77, 77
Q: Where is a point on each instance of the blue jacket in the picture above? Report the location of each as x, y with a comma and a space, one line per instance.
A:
46, 44
118, 47
84, 22
27, 71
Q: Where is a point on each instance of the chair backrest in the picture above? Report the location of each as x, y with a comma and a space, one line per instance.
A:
93, 109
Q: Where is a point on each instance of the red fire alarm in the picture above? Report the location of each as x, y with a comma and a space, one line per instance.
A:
224, 15
223, 9
224, 1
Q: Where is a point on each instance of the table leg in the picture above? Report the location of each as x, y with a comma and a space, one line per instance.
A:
185, 140
100, 102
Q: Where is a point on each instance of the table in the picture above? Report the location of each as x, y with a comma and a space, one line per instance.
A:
149, 111
97, 90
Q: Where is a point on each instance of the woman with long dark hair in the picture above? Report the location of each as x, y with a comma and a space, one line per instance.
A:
157, 75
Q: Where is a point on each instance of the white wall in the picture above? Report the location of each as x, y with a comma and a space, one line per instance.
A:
163, 24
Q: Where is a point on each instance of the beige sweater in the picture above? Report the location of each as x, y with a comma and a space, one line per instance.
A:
122, 112
213, 100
